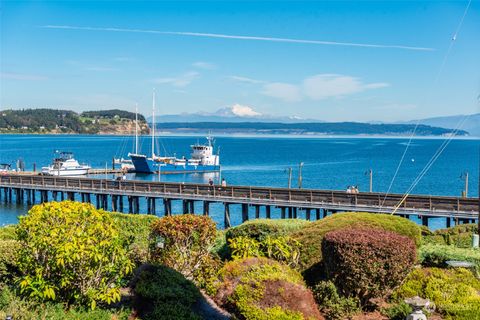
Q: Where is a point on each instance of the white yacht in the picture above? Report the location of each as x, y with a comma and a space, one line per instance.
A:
65, 165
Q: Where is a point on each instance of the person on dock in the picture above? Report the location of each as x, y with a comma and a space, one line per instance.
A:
224, 183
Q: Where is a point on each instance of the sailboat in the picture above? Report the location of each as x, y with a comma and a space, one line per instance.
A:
127, 164
202, 158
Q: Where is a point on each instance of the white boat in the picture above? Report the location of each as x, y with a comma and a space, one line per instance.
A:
65, 165
5, 168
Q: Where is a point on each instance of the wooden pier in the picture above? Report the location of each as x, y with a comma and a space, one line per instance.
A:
111, 195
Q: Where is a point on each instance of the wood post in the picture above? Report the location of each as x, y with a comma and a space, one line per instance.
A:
257, 211
226, 218
244, 212
268, 212
307, 213
206, 208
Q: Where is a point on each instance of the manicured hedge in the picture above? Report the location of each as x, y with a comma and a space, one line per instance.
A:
259, 229
455, 292
161, 293
367, 263
459, 236
311, 235
261, 289
134, 231
437, 255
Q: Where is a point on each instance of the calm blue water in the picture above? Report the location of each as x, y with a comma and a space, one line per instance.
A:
329, 163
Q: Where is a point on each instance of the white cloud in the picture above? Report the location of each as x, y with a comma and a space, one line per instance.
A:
244, 111
19, 76
245, 79
204, 65
283, 91
180, 81
323, 86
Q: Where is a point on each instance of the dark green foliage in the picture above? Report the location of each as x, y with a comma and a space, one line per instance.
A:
458, 236
134, 231
437, 255
112, 114
263, 289
455, 292
367, 263
161, 293
311, 236
332, 305
8, 261
398, 311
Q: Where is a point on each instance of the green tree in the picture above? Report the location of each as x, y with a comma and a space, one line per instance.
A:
71, 252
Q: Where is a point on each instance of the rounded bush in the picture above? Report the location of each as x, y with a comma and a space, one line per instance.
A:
367, 263
259, 288
8, 261
161, 293
71, 252
183, 243
311, 236
259, 229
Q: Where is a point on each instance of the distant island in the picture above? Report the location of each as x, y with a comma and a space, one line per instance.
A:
311, 128
50, 121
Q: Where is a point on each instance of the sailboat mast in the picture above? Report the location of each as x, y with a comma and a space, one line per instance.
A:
136, 128
153, 125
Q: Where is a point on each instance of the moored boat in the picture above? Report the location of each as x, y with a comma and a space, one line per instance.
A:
64, 164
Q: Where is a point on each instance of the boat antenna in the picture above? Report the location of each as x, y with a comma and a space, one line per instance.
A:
136, 128
153, 125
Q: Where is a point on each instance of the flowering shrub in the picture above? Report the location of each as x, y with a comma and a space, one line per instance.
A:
263, 289
183, 242
367, 263
71, 252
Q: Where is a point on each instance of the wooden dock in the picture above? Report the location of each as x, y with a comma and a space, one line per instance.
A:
110, 194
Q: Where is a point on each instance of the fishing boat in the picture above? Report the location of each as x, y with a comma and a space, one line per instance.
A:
5, 168
202, 158
64, 164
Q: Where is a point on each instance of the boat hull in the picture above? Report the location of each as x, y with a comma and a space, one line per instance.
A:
72, 172
143, 164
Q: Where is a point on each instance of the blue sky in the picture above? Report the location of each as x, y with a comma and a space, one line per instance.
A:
91, 55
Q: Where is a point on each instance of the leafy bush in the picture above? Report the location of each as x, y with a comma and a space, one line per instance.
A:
71, 252
435, 255
8, 261
367, 263
259, 288
183, 242
162, 293
259, 229
21, 309
398, 311
134, 231
332, 305
459, 236
455, 292
311, 235
279, 248
8, 233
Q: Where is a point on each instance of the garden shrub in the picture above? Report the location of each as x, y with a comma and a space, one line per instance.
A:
8, 261
397, 311
261, 289
367, 263
8, 233
436, 255
455, 292
311, 236
259, 229
71, 252
280, 248
134, 230
220, 247
161, 293
332, 305
183, 242
459, 236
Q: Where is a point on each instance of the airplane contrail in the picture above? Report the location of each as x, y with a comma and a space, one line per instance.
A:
240, 37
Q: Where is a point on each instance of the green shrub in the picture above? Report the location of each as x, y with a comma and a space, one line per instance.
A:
134, 231
220, 247
71, 252
280, 248
8, 261
455, 292
261, 289
332, 305
311, 236
459, 236
183, 242
397, 311
8, 232
161, 293
259, 229
21, 309
436, 255
367, 263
